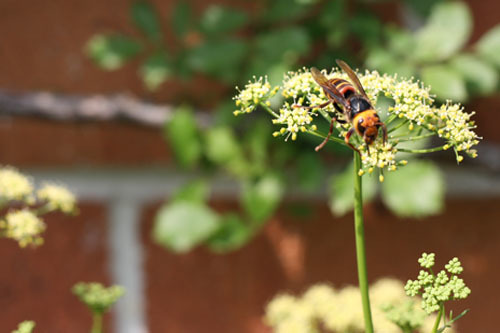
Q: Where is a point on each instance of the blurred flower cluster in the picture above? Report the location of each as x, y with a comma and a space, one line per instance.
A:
23, 206
340, 310
437, 288
26, 326
410, 116
97, 297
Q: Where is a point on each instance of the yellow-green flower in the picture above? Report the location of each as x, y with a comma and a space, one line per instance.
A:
14, 185
24, 227
57, 198
258, 91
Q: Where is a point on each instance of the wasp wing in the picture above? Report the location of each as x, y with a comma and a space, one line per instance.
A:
354, 78
329, 88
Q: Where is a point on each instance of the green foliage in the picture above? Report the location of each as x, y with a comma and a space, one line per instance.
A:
183, 136
182, 225
341, 190
155, 70
110, 52
488, 46
232, 233
260, 198
181, 18
436, 53
146, 20
415, 190
446, 32
217, 20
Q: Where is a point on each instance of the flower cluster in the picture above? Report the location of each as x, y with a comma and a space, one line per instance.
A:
439, 288
25, 225
14, 186
411, 115
258, 91
57, 198
341, 310
97, 297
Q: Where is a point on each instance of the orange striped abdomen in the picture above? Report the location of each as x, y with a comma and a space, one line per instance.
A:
344, 87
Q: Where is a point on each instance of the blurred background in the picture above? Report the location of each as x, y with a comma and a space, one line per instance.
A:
201, 216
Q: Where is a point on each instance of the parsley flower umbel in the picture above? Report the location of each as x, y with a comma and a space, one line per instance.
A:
411, 115
57, 198
258, 91
14, 185
24, 227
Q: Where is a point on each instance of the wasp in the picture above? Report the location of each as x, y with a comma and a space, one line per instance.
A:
356, 106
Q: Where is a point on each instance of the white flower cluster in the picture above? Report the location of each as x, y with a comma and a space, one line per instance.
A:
57, 198
14, 185
258, 91
294, 119
341, 310
23, 226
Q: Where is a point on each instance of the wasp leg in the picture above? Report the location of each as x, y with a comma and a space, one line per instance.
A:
312, 106
384, 129
322, 144
346, 139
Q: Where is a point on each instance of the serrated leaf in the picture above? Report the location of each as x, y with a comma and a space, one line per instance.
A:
261, 198
489, 46
155, 70
232, 234
183, 225
218, 19
195, 191
110, 52
341, 190
445, 82
415, 190
181, 18
183, 137
480, 76
220, 58
447, 30
145, 17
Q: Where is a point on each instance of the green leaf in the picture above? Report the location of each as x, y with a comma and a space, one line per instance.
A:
387, 62
285, 44
196, 191
155, 70
183, 225
366, 27
310, 172
445, 82
448, 29
261, 198
232, 234
110, 52
282, 10
489, 46
181, 18
415, 190
218, 20
399, 40
480, 76
182, 134
342, 190
221, 58
144, 16
221, 145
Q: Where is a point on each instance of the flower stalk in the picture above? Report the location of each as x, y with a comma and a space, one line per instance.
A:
359, 232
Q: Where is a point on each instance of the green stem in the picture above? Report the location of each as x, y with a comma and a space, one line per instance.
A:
269, 110
422, 151
360, 245
401, 138
316, 133
96, 322
402, 123
438, 320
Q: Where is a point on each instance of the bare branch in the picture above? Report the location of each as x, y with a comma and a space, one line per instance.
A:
95, 107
